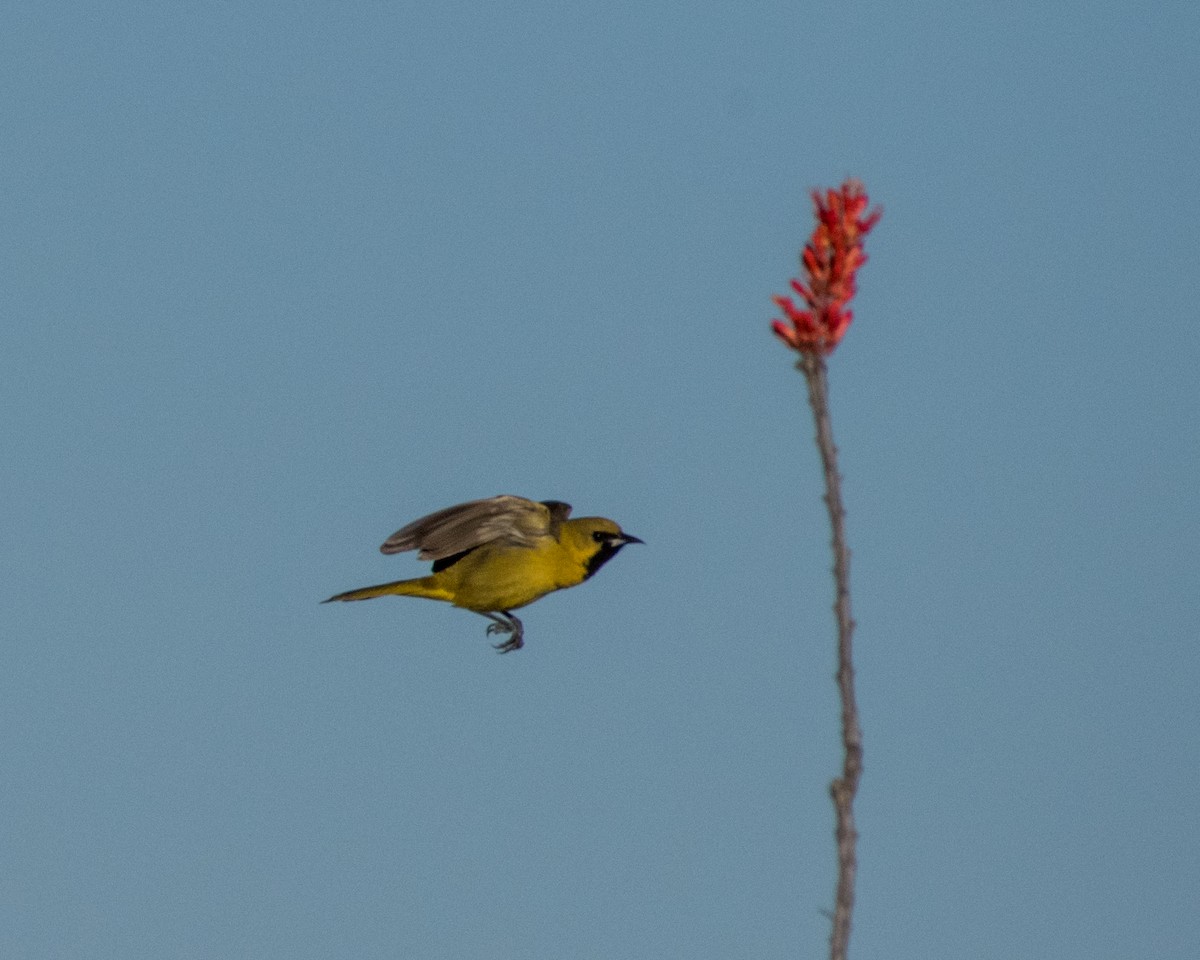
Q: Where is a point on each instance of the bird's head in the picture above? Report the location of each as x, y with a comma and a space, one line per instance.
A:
596, 539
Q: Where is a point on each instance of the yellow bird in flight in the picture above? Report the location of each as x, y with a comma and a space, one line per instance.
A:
497, 555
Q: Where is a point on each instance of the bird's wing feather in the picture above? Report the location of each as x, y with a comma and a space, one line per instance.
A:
506, 518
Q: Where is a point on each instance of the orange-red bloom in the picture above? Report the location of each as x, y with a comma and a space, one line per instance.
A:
831, 259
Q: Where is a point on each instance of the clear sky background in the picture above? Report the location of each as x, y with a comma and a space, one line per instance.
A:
279, 278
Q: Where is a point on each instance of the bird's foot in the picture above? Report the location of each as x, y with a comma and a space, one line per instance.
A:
507, 623
515, 642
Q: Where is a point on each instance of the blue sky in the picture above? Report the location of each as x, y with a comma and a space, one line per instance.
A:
279, 278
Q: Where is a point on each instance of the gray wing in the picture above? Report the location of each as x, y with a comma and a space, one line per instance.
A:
506, 518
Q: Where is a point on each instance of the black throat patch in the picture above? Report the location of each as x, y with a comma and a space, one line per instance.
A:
608, 550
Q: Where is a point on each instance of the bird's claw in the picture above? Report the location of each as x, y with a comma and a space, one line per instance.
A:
506, 623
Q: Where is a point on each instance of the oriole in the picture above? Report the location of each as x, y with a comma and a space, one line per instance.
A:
497, 555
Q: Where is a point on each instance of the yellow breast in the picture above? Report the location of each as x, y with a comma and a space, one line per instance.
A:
495, 577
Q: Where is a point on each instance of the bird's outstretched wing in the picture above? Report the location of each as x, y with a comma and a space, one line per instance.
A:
506, 518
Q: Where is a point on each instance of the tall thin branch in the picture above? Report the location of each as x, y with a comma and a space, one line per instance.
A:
829, 264
843, 788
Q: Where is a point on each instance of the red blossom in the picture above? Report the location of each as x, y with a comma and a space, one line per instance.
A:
830, 260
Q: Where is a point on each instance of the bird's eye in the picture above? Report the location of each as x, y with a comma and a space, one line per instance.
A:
599, 536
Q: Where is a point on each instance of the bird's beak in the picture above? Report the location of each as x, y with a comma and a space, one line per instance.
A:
629, 538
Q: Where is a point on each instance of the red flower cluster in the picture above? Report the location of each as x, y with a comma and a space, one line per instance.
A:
831, 258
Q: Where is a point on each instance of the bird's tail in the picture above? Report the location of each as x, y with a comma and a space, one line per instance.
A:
420, 587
